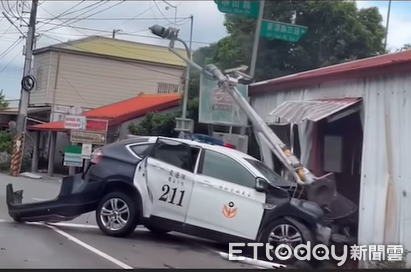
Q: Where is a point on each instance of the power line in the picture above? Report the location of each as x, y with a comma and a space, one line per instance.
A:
100, 11
10, 48
99, 4
135, 17
113, 18
4, 33
132, 34
60, 25
64, 12
56, 17
159, 10
11, 61
82, 9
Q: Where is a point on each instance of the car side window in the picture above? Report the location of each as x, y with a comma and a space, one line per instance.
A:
220, 166
141, 150
179, 155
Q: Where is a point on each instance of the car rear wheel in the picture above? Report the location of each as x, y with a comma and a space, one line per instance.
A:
117, 214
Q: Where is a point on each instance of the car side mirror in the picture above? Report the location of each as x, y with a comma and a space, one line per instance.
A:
261, 184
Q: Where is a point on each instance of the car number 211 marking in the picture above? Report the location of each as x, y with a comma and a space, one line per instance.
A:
171, 195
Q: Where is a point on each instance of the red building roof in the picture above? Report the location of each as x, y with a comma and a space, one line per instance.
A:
396, 62
122, 111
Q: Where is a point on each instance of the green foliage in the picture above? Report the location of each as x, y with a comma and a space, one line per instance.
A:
163, 124
337, 32
192, 109
155, 123
6, 146
405, 47
6, 141
3, 103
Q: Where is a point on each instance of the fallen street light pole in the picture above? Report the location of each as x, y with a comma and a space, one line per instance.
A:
183, 124
301, 174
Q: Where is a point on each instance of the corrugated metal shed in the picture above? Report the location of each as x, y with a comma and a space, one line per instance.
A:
385, 195
120, 49
296, 112
353, 69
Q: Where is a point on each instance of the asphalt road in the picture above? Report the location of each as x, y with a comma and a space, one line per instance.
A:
80, 244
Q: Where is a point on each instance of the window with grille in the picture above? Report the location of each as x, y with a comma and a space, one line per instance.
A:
167, 88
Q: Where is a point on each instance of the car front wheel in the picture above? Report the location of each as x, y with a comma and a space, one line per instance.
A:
117, 214
282, 232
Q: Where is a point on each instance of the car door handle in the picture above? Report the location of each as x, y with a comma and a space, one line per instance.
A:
157, 166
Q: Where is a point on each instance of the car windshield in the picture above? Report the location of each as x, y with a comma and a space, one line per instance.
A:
269, 174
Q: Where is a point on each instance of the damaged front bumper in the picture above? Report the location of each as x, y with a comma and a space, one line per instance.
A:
323, 234
76, 197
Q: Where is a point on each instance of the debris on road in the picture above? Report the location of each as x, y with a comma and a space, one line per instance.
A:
30, 175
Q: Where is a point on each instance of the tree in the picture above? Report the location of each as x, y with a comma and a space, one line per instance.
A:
3, 102
6, 142
155, 123
337, 32
405, 47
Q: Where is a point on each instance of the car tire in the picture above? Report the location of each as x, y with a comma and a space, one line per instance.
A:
17, 219
273, 232
157, 231
126, 221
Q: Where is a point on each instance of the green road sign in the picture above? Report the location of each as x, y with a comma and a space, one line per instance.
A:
72, 156
245, 8
282, 31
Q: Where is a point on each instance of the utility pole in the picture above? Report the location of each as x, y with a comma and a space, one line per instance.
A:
387, 26
257, 39
116, 31
255, 47
27, 86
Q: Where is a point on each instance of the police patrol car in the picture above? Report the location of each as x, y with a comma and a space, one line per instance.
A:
181, 185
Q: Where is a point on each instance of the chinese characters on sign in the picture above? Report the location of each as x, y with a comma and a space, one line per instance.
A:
269, 29
282, 31
245, 8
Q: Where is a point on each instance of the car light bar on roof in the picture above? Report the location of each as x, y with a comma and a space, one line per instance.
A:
203, 138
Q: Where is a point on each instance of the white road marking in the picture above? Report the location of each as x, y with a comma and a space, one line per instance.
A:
65, 224
90, 248
77, 241
74, 225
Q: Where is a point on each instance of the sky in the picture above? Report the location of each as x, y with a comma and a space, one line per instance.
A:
133, 19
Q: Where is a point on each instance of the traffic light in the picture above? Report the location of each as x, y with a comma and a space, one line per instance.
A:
166, 33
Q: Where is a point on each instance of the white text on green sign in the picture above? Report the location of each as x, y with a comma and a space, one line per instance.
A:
282, 31
245, 8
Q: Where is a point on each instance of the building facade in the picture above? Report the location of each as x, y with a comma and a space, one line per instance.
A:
98, 71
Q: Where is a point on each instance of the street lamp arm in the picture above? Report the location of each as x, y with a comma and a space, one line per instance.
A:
186, 59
